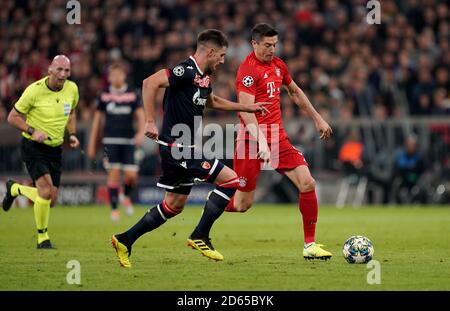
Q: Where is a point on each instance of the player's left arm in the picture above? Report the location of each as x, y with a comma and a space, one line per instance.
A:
219, 103
72, 122
72, 129
140, 133
301, 100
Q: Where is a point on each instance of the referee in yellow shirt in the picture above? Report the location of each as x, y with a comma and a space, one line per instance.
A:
42, 113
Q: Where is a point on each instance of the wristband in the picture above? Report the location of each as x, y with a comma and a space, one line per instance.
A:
30, 130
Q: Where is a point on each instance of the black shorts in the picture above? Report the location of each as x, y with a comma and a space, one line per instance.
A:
179, 175
120, 156
41, 159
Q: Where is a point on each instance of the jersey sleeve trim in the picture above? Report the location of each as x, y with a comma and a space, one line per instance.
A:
18, 110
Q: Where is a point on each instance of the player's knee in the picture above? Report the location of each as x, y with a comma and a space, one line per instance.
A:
242, 208
176, 204
231, 182
131, 180
308, 184
45, 191
233, 175
54, 197
177, 208
243, 205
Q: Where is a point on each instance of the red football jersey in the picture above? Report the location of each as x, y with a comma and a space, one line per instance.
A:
264, 81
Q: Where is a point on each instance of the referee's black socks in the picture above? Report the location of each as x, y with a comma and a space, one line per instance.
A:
113, 191
214, 207
128, 190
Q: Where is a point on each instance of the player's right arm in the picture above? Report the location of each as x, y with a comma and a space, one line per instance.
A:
246, 80
17, 115
150, 87
251, 123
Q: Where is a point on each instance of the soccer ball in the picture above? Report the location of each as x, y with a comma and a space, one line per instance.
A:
358, 249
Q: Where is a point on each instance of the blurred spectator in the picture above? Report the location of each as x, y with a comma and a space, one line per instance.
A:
351, 154
441, 102
408, 169
327, 44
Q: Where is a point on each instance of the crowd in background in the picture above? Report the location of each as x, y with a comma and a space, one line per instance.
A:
347, 67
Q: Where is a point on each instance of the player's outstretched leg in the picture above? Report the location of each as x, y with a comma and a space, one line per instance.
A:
14, 189
214, 207
152, 219
9, 197
309, 209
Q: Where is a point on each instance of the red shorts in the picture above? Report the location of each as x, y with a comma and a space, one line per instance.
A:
283, 158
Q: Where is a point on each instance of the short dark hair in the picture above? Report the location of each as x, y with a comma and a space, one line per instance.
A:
263, 30
212, 36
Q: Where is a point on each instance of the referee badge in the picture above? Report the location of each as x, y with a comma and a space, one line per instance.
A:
67, 108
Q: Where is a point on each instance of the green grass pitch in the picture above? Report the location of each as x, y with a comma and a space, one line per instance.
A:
262, 250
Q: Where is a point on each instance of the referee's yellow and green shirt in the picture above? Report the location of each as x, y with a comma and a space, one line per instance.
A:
48, 110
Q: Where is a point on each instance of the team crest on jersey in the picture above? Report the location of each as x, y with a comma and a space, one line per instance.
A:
201, 82
67, 108
248, 81
178, 71
242, 182
278, 72
197, 100
206, 165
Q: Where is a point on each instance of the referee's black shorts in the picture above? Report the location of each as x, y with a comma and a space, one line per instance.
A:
41, 159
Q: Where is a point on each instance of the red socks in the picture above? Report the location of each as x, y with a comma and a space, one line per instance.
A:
309, 209
230, 206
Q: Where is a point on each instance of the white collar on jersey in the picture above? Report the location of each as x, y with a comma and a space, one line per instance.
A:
196, 65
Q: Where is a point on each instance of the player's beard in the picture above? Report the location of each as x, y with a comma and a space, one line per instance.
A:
209, 71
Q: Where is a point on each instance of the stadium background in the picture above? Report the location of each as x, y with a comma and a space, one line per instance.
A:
378, 82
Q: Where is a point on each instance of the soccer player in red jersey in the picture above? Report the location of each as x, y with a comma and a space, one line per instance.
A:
259, 79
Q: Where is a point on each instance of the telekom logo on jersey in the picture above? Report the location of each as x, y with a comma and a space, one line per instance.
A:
218, 141
271, 89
